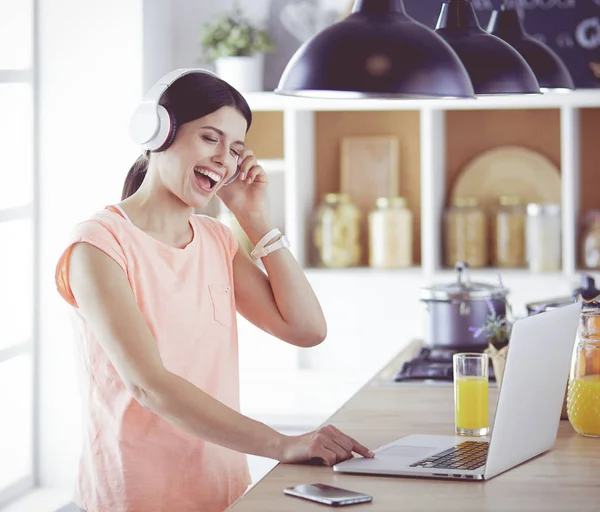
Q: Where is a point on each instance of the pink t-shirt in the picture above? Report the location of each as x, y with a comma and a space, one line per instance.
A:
133, 460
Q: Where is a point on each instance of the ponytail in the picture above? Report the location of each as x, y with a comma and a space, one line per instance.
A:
135, 176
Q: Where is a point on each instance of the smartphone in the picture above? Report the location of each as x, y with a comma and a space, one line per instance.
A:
327, 494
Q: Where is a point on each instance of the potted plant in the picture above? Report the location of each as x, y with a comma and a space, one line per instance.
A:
496, 330
237, 47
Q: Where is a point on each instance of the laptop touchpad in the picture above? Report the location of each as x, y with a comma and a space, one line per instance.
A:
411, 452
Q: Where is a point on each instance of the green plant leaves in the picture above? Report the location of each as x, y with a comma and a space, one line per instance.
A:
233, 35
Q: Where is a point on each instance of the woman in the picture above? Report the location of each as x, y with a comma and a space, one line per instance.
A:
154, 290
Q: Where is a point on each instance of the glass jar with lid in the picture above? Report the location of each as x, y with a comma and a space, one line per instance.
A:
543, 237
465, 227
509, 230
390, 234
590, 242
336, 232
583, 395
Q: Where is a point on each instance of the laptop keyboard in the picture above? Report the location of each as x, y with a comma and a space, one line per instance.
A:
468, 455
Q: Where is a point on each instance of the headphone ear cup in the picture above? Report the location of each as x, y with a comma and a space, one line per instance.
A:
144, 124
165, 133
171, 135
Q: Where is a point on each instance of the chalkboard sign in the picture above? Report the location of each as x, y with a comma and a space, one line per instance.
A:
570, 27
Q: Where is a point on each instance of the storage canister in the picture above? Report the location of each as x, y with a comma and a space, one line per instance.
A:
390, 234
465, 227
543, 237
336, 232
509, 230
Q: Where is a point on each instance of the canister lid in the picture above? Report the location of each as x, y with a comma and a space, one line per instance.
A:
465, 201
462, 289
543, 209
390, 202
510, 201
336, 197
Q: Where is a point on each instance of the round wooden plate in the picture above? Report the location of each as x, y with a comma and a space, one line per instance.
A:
509, 171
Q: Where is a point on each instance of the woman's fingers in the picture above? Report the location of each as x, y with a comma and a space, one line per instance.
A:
254, 173
246, 161
330, 441
329, 457
349, 443
250, 169
339, 438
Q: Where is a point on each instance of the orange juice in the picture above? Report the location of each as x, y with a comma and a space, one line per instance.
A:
583, 405
471, 405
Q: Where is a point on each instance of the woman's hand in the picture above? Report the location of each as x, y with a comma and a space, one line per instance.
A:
247, 195
326, 443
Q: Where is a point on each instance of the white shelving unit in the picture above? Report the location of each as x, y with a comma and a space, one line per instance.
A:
299, 159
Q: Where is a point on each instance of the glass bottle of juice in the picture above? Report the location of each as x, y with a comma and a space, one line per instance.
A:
583, 396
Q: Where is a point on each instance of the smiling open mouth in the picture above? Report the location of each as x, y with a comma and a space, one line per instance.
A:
206, 179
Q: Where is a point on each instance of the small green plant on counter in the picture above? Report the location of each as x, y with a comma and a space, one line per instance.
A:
496, 329
233, 35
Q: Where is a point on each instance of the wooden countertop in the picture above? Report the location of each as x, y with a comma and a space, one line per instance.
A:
565, 479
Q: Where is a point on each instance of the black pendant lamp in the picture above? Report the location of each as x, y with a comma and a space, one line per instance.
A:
549, 69
378, 51
493, 65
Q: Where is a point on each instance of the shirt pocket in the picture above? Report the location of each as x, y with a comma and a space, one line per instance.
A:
220, 296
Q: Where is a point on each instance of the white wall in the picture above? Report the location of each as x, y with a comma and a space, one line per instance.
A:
90, 80
188, 18
158, 40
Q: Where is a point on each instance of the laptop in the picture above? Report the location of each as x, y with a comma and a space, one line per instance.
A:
527, 415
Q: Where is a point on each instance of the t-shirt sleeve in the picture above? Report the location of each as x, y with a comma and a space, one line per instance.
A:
94, 233
229, 239
223, 233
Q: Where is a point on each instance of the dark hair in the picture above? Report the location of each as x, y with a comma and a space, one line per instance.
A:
190, 97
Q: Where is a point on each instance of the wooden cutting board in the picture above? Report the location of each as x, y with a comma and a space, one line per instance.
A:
369, 169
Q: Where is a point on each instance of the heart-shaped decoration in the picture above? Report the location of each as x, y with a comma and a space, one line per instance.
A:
303, 19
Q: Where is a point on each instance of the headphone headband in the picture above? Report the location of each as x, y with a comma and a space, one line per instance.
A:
151, 125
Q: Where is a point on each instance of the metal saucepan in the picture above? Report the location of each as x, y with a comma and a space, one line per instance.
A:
455, 310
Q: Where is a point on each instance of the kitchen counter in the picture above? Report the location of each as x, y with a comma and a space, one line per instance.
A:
566, 478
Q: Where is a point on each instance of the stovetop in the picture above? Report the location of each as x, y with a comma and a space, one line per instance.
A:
434, 364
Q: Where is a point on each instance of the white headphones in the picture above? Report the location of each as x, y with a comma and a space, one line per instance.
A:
151, 126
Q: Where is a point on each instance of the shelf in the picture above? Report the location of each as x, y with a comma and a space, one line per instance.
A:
269, 101
444, 274
272, 165
492, 272
363, 271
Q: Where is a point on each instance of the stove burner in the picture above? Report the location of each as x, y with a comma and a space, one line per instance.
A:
434, 364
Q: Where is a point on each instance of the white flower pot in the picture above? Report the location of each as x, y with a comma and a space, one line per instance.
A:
243, 73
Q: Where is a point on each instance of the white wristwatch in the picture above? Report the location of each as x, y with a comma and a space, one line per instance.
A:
261, 252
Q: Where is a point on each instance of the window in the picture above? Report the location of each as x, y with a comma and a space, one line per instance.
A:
17, 248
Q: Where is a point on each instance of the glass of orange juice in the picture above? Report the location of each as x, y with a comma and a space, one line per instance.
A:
471, 394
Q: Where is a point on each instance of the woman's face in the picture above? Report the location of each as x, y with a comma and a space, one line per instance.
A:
203, 156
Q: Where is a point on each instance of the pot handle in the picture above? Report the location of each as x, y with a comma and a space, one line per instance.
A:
462, 269
464, 309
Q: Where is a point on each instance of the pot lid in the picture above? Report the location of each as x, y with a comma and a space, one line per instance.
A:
462, 289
